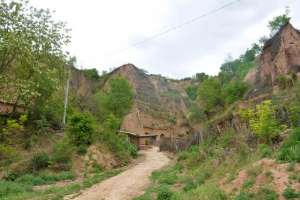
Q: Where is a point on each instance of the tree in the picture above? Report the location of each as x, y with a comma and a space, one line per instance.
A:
119, 96
201, 77
91, 74
210, 94
279, 21
31, 55
234, 91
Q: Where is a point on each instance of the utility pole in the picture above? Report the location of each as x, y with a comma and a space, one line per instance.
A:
66, 97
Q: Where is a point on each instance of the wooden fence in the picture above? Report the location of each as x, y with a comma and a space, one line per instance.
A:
179, 144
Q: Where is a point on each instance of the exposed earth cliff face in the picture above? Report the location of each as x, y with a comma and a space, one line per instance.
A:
160, 104
281, 55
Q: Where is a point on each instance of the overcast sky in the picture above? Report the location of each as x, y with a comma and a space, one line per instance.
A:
102, 29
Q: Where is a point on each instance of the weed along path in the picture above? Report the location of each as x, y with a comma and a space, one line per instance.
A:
130, 183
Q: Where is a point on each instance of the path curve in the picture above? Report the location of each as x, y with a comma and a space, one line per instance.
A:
130, 183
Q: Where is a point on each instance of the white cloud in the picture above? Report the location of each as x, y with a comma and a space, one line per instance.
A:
101, 28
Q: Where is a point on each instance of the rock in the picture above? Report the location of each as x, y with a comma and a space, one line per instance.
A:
280, 56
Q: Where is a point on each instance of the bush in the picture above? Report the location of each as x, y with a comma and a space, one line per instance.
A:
262, 121
42, 179
9, 188
284, 82
190, 185
167, 176
265, 150
164, 194
209, 192
61, 156
91, 74
290, 193
82, 149
191, 91
294, 114
290, 150
234, 91
133, 151
266, 194
7, 152
118, 144
39, 161
194, 182
81, 129
243, 196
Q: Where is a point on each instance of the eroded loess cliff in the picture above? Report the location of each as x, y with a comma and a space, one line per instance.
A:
160, 104
280, 56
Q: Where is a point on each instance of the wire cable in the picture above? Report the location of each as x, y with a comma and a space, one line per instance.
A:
177, 27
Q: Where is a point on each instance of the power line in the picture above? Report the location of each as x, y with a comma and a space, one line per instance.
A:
177, 27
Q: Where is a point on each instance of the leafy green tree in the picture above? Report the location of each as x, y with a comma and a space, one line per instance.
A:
119, 96
31, 55
91, 74
238, 68
279, 21
210, 94
234, 91
201, 77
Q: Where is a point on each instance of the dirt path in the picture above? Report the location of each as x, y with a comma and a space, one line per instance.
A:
130, 183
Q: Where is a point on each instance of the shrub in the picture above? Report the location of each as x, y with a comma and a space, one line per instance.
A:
190, 185
164, 194
191, 92
7, 152
82, 149
254, 171
45, 178
248, 184
262, 121
290, 193
118, 144
30, 179
266, 194
290, 150
39, 161
61, 156
81, 129
234, 91
284, 82
9, 188
243, 196
265, 150
294, 113
209, 191
195, 182
167, 177
112, 123
133, 151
